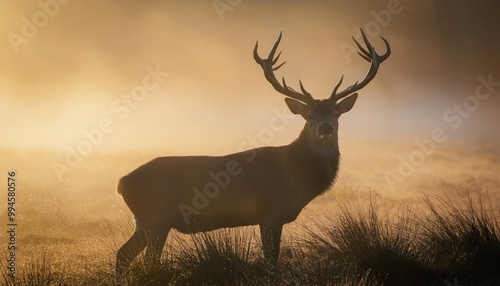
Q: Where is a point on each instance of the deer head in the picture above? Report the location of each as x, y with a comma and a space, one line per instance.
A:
321, 115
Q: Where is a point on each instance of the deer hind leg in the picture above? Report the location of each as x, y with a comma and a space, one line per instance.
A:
155, 241
271, 236
131, 248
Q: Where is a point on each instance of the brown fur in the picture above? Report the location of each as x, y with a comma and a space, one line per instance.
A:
273, 186
267, 186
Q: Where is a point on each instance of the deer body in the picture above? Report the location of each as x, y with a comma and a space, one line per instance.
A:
267, 186
245, 194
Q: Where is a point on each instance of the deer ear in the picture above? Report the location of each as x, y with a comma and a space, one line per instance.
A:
296, 107
346, 104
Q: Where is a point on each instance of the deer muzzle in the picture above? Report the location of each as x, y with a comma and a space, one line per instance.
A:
325, 130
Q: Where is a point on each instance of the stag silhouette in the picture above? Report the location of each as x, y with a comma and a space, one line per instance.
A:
268, 186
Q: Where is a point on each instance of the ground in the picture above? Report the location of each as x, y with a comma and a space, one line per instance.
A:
75, 226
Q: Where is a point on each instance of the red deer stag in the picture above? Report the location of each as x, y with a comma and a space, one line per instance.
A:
268, 186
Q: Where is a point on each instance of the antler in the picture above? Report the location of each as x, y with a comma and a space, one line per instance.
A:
267, 66
369, 55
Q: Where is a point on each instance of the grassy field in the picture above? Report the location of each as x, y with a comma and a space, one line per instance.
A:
437, 226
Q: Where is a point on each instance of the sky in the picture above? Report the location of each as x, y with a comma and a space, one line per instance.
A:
69, 69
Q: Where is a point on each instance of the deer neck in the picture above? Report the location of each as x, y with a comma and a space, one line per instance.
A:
318, 162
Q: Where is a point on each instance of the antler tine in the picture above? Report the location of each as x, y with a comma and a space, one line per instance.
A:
304, 91
362, 50
367, 58
275, 47
268, 68
282, 64
277, 58
337, 86
388, 50
370, 55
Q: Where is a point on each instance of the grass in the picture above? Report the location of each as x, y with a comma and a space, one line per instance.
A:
463, 239
455, 241
69, 231
358, 238
223, 257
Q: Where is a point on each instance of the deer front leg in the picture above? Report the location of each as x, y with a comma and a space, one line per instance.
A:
129, 251
155, 242
270, 235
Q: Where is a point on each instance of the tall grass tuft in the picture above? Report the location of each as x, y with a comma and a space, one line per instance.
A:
221, 257
35, 272
462, 239
358, 239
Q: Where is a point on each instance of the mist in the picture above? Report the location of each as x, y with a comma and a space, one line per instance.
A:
91, 90
67, 66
